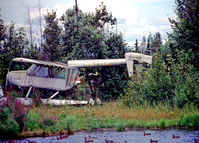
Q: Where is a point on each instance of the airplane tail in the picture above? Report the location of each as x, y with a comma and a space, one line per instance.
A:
141, 58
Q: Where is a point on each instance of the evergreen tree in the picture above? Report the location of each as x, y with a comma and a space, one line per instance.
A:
155, 44
13, 43
136, 46
143, 45
186, 30
16, 41
149, 40
3, 59
52, 37
114, 78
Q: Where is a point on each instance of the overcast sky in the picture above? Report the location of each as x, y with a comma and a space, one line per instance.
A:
136, 18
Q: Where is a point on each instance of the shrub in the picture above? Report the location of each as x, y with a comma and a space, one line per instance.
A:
5, 112
154, 88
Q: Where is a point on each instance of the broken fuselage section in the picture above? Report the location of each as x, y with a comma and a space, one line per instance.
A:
52, 76
41, 74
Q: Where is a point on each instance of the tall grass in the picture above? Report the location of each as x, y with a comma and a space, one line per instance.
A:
117, 110
115, 114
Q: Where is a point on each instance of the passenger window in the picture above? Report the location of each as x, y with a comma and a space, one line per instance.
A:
61, 74
73, 76
42, 72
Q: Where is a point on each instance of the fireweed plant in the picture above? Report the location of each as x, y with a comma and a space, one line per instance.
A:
13, 116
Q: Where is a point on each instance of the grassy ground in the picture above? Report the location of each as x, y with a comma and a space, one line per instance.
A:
109, 114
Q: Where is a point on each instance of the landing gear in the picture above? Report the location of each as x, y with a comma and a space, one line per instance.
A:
93, 102
98, 101
29, 90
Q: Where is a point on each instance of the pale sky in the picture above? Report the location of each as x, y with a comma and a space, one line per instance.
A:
136, 18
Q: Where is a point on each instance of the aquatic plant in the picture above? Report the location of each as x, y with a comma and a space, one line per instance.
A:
162, 123
190, 120
119, 125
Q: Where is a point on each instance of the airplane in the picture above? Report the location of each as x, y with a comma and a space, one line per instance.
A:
59, 76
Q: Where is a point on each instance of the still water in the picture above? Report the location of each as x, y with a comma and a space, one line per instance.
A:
132, 136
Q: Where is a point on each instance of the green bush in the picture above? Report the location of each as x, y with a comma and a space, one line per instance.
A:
156, 87
9, 129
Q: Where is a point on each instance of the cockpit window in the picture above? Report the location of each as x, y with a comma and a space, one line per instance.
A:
32, 69
15, 66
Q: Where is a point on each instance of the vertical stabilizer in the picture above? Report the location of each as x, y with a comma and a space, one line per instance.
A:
131, 57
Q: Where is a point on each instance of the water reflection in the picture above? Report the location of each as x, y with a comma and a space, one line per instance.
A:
132, 136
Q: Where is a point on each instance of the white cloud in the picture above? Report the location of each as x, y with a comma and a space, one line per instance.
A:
148, 1
61, 8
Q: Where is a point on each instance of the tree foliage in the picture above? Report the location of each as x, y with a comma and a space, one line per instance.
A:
13, 43
186, 30
52, 37
85, 38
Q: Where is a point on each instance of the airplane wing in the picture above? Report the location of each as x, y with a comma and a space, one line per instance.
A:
95, 63
39, 62
129, 61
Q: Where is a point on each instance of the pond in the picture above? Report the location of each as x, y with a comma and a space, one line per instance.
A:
131, 136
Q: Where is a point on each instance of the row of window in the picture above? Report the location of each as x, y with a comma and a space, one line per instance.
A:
53, 72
